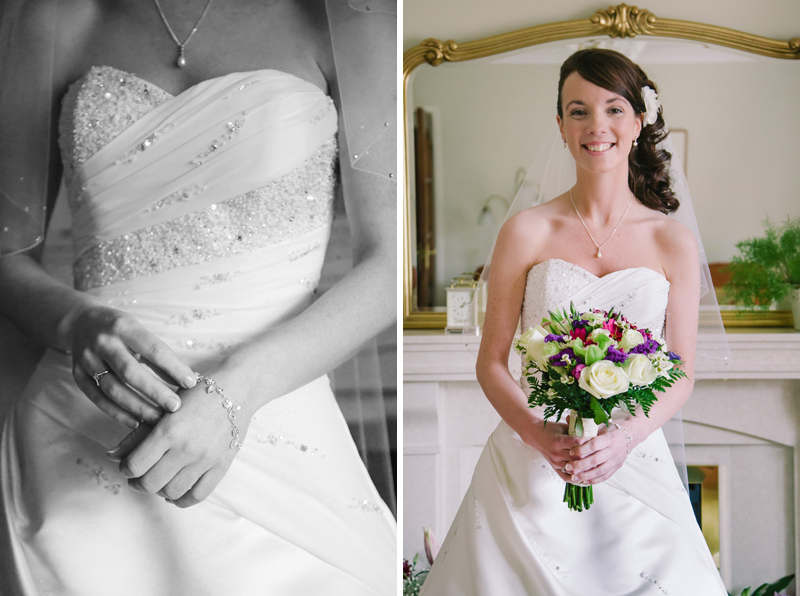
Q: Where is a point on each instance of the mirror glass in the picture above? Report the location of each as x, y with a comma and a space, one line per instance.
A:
475, 127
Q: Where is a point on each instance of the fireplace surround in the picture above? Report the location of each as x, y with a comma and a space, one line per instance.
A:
744, 421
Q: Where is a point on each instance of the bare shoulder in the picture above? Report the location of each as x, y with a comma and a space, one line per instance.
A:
533, 221
314, 28
677, 247
524, 236
365, 42
674, 237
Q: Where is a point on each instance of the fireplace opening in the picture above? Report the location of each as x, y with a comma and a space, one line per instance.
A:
704, 496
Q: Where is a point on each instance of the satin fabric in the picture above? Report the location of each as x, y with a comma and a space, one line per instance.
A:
514, 536
297, 512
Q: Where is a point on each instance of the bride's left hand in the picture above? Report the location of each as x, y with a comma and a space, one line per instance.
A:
598, 459
187, 453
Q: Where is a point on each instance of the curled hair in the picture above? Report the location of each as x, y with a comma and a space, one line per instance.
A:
648, 166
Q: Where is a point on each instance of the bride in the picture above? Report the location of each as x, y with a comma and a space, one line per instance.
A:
607, 242
180, 435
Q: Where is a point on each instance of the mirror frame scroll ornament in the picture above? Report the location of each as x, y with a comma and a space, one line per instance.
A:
616, 22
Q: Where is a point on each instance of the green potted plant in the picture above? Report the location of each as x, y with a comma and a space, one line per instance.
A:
768, 589
767, 269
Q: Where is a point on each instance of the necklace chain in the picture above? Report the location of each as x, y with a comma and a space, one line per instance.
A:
181, 46
585, 227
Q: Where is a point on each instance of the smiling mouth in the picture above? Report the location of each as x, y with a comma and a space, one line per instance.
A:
599, 147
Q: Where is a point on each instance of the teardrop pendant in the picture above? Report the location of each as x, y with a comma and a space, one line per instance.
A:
181, 58
598, 253
181, 61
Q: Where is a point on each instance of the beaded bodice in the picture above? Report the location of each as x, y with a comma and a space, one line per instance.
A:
99, 107
639, 293
154, 186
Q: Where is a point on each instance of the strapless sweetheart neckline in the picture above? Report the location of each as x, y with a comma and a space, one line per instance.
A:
653, 271
201, 83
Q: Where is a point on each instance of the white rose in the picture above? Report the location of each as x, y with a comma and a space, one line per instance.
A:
550, 348
525, 337
640, 370
538, 351
604, 379
593, 335
630, 339
651, 104
593, 317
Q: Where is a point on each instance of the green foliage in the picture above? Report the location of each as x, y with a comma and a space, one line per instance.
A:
572, 397
767, 268
768, 589
413, 579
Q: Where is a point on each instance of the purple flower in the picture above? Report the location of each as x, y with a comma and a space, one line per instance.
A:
563, 358
673, 356
580, 324
553, 337
616, 355
648, 346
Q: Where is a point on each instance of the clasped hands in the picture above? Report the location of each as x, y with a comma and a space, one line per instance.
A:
581, 460
179, 445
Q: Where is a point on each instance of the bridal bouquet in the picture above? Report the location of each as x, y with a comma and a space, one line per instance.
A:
590, 363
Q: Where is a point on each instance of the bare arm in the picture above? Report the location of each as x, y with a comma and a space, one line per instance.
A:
331, 330
510, 264
277, 361
680, 332
55, 315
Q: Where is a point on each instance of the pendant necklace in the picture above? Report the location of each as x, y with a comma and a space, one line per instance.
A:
181, 62
599, 246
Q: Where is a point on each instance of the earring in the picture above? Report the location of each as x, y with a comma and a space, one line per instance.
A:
635, 143
565, 143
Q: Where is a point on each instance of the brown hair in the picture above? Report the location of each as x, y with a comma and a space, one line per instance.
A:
648, 166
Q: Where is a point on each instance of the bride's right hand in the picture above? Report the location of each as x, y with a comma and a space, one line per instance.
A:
105, 339
552, 440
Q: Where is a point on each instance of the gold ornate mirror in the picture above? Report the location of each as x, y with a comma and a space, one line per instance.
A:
467, 92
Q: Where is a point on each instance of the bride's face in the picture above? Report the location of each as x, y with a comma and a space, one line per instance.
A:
599, 126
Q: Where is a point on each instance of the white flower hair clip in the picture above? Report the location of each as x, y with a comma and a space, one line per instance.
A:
651, 105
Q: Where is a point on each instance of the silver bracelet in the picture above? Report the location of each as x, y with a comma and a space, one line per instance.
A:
625, 432
211, 387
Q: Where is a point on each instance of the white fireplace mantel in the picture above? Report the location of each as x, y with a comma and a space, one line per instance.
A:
432, 356
744, 418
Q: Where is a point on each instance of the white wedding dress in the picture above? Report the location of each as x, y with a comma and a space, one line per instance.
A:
513, 535
206, 216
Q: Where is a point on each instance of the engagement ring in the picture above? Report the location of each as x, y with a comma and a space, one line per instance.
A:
96, 376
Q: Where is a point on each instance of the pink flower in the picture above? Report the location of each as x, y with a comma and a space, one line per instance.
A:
578, 333
431, 545
576, 372
612, 328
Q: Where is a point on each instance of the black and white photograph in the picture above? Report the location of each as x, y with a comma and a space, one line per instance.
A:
198, 297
